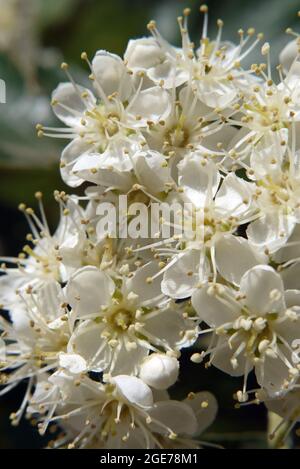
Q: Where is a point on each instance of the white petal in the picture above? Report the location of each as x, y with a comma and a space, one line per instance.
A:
272, 374
290, 328
288, 54
111, 74
134, 390
152, 171
70, 250
222, 358
291, 250
109, 170
152, 104
211, 309
2, 350
86, 341
271, 231
259, 284
72, 362
126, 361
67, 95
88, 290
216, 94
267, 155
234, 196
167, 73
69, 157
181, 278
291, 277
199, 178
169, 327
50, 297
143, 53
205, 408
234, 256
140, 285
177, 416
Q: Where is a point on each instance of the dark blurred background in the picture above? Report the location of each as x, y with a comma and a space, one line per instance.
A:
35, 37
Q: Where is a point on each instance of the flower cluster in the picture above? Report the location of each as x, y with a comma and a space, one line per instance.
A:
96, 322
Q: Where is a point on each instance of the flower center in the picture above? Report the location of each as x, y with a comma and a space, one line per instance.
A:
283, 192
100, 125
254, 335
177, 136
121, 319
265, 115
205, 228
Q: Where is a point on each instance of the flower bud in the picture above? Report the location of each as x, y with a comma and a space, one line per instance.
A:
159, 371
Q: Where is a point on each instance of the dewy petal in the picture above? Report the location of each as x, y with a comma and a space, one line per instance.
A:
177, 416
234, 196
151, 170
211, 310
264, 290
152, 104
234, 256
205, 407
67, 95
111, 74
271, 231
88, 289
199, 181
134, 390
69, 157
181, 278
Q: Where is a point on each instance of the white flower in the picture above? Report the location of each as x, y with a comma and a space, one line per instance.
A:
39, 331
121, 321
159, 371
277, 197
214, 69
119, 414
254, 327
190, 126
268, 113
105, 130
211, 219
287, 407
